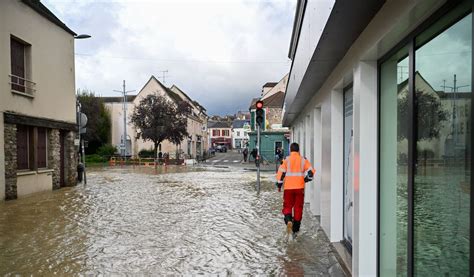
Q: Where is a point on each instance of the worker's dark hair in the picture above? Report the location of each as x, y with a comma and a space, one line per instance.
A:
294, 147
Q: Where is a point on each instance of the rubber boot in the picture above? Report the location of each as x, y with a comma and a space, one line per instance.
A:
287, 218
289, 223
296, 226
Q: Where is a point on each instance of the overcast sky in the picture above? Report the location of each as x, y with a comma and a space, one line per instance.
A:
219, 52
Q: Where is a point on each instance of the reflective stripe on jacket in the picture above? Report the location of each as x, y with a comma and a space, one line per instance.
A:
293, 170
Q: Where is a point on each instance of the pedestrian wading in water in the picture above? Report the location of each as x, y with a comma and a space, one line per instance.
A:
292, 174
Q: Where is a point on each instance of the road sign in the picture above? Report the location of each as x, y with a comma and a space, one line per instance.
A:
81, 119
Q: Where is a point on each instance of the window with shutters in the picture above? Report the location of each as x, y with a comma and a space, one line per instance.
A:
216, 133
22, 149
41, 148
31, 154
20, 67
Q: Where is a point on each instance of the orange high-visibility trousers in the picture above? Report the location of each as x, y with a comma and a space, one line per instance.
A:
293, 199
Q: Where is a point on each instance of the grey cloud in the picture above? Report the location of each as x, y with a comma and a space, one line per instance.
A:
220, 54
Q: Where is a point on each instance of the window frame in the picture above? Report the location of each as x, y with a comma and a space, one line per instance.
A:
28, 161
348, 245
410, 42
28, 86
46, 162
32, 145
17, 87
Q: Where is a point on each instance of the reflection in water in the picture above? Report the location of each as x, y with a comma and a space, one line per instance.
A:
136, 221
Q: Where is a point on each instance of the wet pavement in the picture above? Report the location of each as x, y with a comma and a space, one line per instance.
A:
138, 221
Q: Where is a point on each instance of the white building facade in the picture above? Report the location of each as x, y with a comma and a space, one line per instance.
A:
240, 133
192, 146
379, 97
37, 136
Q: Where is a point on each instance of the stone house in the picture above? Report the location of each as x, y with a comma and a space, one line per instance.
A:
191, 147
273, 95
37, 150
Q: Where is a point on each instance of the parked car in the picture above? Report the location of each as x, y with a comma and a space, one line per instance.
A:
221, 148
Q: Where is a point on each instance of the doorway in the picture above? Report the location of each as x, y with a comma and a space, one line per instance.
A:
62, 137
348, 167
278, 145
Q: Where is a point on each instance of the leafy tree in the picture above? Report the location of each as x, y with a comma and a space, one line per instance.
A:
98, 120
107, 150
431, 115
157, 119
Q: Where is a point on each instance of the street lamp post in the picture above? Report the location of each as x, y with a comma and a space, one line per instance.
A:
80, 123
82, 36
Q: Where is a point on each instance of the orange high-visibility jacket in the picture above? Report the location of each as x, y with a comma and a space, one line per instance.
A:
294, 168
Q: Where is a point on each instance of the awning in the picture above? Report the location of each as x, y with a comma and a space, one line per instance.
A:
346, 22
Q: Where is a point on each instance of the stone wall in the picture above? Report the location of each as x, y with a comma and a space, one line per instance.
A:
10, 161
273, 116
70, 161
54, 159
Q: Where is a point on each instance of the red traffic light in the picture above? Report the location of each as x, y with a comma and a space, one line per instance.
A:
259, 104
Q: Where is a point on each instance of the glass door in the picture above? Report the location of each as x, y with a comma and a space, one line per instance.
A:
348, 167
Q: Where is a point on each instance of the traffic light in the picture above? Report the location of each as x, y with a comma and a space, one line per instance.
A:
259, 113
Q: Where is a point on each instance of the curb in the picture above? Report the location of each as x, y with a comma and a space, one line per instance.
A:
261, 170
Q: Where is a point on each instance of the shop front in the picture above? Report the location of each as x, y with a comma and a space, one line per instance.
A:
380, 102
425, 157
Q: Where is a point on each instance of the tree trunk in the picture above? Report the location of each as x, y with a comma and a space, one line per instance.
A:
177, 154
156, 154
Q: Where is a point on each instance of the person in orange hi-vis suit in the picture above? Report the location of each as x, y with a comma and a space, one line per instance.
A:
293, 173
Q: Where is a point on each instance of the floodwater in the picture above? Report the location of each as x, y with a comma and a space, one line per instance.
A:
137, 221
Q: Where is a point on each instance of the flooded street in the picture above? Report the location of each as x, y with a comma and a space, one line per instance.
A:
208, 221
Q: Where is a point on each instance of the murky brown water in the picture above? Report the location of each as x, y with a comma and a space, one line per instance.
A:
129, 221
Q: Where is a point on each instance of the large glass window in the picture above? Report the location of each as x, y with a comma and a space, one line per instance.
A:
429, 168
442, 177
393, 164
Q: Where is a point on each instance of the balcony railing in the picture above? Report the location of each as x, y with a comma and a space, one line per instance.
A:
21, 85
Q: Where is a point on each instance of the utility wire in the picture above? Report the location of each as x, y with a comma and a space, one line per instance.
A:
185, 61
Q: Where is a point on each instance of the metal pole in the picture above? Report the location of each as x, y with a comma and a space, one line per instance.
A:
258, 157
84, 162
124, 139
81, 142
124, 120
